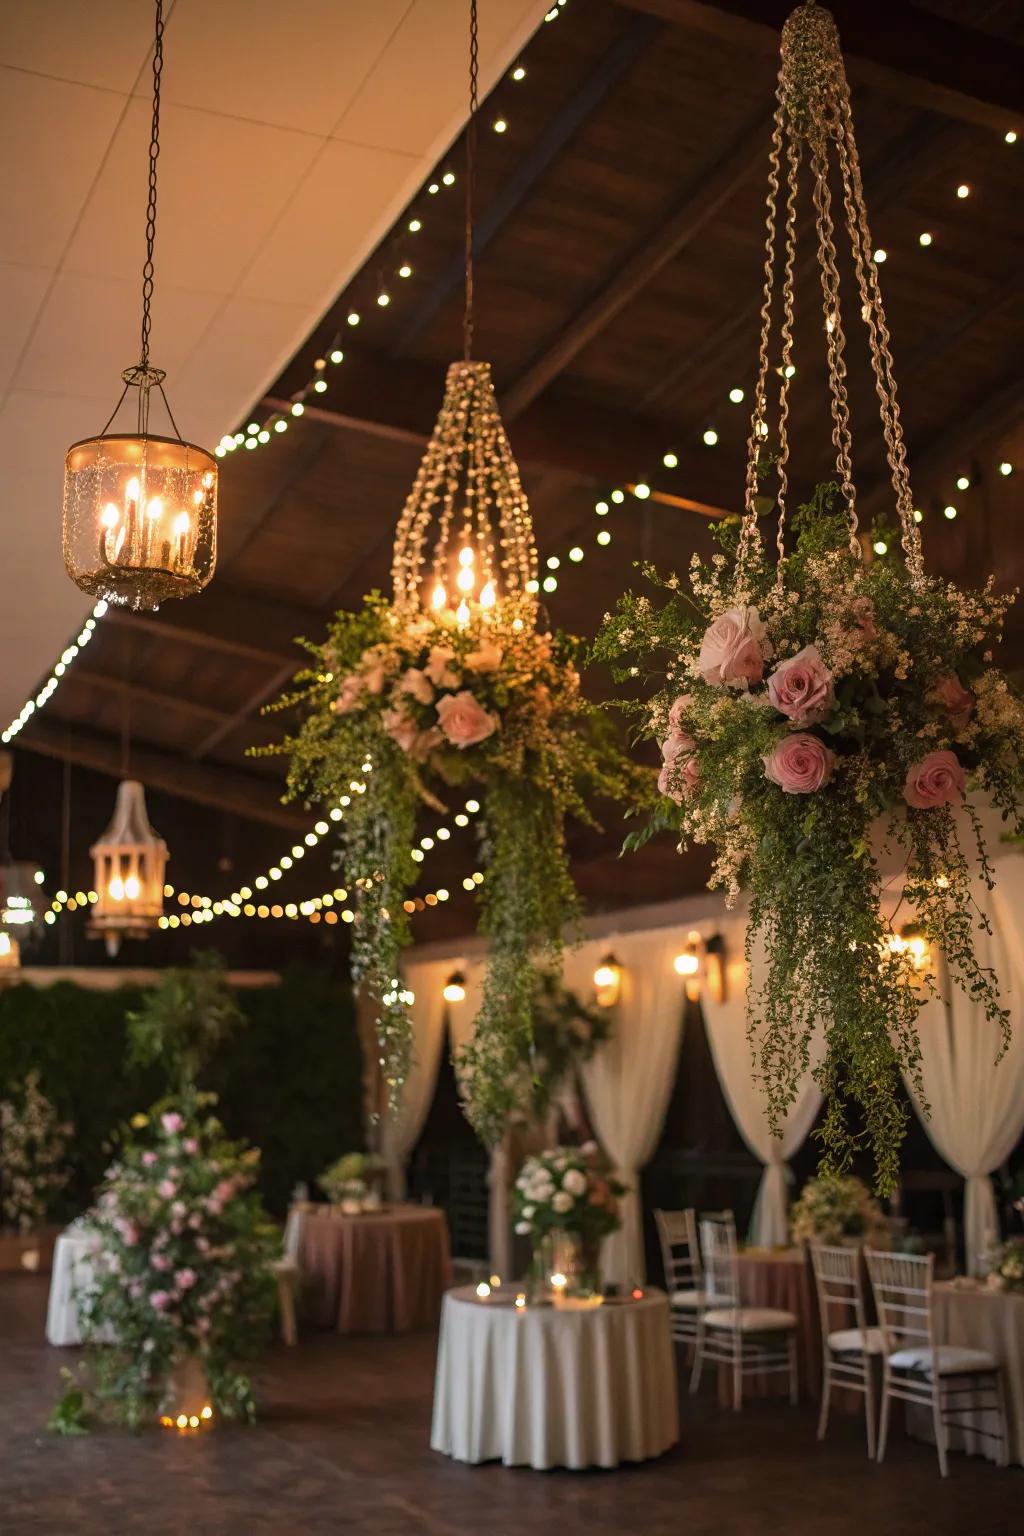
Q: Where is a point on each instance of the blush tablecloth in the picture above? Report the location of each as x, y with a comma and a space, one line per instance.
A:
979, 1318
545, 1387
380, 1272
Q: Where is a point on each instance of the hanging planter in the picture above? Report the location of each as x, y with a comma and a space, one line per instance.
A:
457, 681
140, 511
825, 721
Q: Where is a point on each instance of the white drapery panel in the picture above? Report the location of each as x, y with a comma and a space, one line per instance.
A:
977, 1104
629, 1082
726, 1024
401, 1127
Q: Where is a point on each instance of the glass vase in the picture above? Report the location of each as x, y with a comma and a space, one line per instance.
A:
575, 1273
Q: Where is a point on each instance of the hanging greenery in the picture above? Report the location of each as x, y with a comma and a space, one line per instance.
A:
819, 715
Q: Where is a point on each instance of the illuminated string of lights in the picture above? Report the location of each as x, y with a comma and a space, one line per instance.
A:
46, 692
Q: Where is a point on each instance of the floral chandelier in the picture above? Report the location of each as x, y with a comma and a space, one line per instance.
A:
140, 511
457, 680
824, 722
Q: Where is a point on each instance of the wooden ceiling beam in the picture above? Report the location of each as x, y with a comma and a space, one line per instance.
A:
891, 46
610, 68
223, 789
674, 230
216, 620
176, 702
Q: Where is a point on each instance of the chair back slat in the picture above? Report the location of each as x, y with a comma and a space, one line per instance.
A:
902, 1286
837, 1276
718, 1250
680, 1254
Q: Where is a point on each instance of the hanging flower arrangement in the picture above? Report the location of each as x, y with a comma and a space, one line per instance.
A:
456, 682
823, 719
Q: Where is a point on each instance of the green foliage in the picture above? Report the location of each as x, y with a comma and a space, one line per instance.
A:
903, 682
183, 1020
74, 1411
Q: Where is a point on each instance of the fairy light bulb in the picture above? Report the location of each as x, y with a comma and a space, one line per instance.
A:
439, 597
488, 596
462, 614
466, 579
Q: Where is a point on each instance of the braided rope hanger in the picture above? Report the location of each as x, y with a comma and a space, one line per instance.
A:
814, 121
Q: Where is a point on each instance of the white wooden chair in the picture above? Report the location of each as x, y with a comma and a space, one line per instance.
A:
680, 1253
847, 1343
749, 1340
950, 1380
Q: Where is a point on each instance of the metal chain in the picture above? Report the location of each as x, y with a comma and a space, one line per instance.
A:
794, 154
835, 337
154, 154
471, 128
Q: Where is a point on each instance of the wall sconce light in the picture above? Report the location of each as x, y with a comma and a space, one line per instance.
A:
608, 981
455, 988
687, 964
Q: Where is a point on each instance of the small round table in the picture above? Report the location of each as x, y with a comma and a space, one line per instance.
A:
382, 1271
542, 1386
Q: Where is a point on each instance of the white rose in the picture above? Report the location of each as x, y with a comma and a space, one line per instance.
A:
589, 1148
523, 1228
528, 1212
575, 1182
561, 1202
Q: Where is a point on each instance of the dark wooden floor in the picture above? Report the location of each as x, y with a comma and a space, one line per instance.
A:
342, 1446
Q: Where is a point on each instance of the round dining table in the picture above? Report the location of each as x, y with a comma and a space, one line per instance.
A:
537, 1385
379, 1271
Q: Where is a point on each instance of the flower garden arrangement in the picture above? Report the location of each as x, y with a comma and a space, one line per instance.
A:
454, 683
33, 1150
182, 1273
1006, 1272
567, 1189
351, 1177
820, 712
833, 1208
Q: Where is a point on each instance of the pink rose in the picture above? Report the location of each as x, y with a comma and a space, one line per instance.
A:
402, 728
937, 779
373, 669
167, 1189
191, 1146
799, 764
487, 658
676, 713
802, 687
214, 1206
464, 721
352, 689
161, 1300
148, 1159
178, 1210
439, 669
159, 1261
949, 692
679, 776
732, 650
185, 1279
225, 1189
418, 684
202, 1326
172, 1122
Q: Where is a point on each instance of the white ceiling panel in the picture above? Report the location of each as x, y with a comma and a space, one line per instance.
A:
103, 43
22, 290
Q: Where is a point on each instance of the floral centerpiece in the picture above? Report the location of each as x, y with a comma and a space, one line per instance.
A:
1006, 1271
456, 682
33, 1153
566, 1200
831, 1209
351, 1177
819, 711
182, 1274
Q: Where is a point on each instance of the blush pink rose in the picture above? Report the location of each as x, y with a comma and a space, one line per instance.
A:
439, 667
160, 1261
350, 694
799, 764
678, 710
161, 1300
486, 659
374, 669
172, 1122
732, 650
167, 1189
679, 774
185, 1279
464, 721
958, 702
802, 687
419, 685
937, 779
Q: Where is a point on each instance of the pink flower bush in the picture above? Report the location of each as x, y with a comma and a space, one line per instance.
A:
160, 1300
167, 1189
799, 764
464, 721
185, 1279
172, 1122
732, 650
958, 702
937, 779
801, 688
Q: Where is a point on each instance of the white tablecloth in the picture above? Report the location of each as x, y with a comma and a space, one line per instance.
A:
544, 1387
979, 1318
72, 1271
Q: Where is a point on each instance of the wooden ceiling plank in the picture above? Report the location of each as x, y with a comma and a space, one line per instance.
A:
609, 69
142, 695
892, 46
661, 243
230, 722
224, 789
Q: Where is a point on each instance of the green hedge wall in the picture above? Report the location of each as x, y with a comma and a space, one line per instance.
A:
289, 1082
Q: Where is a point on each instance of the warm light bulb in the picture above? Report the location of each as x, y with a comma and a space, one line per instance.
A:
488, 597
605, 976
132, 887
558, 1281
963, 190
154, 508
962, 483
466, 579
466, 555
454, 989
439, 597
736, 395
116, 889
641, 490
710, 437
110, 516
949, 512
924, 238
880, 256
1006, 468
483, 1290
462, 614
1010, 136
181, 523
670, 460
880, 547
687, 963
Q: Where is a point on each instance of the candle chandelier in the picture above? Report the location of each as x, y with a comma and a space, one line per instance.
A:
140, 510
129, 862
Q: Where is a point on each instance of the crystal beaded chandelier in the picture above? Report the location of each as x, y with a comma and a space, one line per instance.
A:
140, 511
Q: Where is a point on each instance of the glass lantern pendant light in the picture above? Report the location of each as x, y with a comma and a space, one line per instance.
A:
140, 511
129, 862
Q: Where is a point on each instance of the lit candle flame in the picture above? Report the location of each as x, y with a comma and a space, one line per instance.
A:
132, 887
440, 596
110, 516
131, 490
462, 614
116, 888
466, 579
488, 597
466, 555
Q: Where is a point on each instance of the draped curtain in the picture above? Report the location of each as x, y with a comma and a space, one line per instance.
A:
726, 1024
401, 1127
977, 1103
629, 1082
